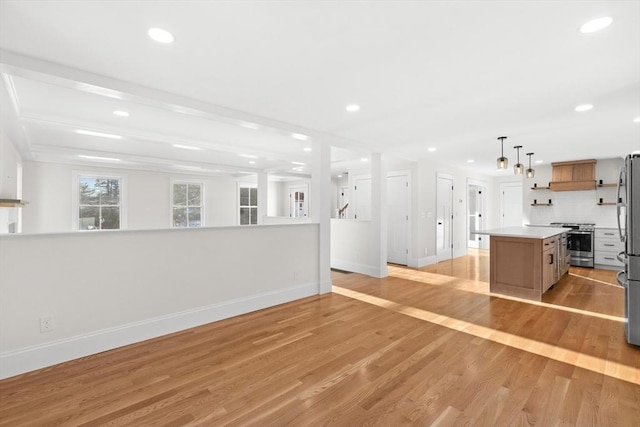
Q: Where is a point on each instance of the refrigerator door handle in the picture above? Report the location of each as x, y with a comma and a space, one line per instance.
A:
622, 257
622, 281
619, 203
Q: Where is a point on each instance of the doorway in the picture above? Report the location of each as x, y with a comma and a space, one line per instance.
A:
298, 201
475, 214
444, 217
511, 204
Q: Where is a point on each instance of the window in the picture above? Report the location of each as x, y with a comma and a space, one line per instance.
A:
99, 203
248, 205
187, 204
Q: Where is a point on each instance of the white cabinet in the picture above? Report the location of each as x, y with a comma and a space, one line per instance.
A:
607, 247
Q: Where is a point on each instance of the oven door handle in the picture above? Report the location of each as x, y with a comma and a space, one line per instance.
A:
580, 232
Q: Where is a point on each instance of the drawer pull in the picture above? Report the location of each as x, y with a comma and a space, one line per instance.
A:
608, 244
609, 257
608, 234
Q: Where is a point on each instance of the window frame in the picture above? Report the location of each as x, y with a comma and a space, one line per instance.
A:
174, 181
75, 197
248, 185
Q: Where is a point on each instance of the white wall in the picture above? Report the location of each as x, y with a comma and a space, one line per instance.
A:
113, 288
572, 206
48, 188
425, 244
352, 246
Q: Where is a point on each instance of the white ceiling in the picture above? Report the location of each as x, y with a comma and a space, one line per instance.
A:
454, 75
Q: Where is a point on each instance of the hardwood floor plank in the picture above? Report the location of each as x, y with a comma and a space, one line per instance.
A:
420, 347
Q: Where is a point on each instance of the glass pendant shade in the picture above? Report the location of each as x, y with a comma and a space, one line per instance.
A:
502, 161
530, 172
518, 168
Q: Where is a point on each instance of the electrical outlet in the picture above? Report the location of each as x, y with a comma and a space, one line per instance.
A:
46, 323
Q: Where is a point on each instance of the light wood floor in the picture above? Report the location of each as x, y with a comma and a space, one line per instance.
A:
421, 347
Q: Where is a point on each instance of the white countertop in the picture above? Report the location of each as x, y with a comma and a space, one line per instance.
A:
526, 232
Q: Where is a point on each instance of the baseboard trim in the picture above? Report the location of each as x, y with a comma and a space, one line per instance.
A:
40, 356
355, 267
422, 262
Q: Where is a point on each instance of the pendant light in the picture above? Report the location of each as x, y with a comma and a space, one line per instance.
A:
530, 172
502, 160
518, 168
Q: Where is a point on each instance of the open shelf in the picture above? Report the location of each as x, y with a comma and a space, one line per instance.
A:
540, 188
607, 204
607, 185
543, 204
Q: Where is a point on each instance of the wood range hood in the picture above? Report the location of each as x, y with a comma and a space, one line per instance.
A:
577, 175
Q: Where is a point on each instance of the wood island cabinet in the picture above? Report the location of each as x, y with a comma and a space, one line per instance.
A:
527, 267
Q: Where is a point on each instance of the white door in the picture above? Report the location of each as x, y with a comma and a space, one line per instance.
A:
475, 215
298, 200
398, 221
363, 198
444, 218
511, 204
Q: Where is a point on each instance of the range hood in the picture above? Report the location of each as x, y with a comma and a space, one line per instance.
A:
12, 203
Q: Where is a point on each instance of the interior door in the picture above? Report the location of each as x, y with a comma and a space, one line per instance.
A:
363, 198
511, 204
444, 217
398, 219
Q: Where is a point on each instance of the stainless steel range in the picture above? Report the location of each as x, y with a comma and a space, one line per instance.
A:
579, 242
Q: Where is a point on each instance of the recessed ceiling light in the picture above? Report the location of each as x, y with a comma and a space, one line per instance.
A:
110, 159
352, 108
298, 163
470, 161
635, 152
160, 35
539, 161
299, 136
584, 107
339, 176
100, 134
431, 149
252, 162
187, 147
596, 24
248, 156
364, 159
121, 113
636, 120
307, 148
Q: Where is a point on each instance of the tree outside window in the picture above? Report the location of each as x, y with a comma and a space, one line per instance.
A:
187, 205
248, 205
100, 203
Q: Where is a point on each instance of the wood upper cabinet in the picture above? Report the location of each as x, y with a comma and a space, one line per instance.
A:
573, 176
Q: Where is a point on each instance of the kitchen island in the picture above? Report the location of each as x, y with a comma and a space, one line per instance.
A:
526, 261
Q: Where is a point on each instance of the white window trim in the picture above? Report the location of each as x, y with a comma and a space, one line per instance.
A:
239, 186
173, 181
75, 195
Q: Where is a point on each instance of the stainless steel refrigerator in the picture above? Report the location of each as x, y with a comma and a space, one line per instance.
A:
629, 212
